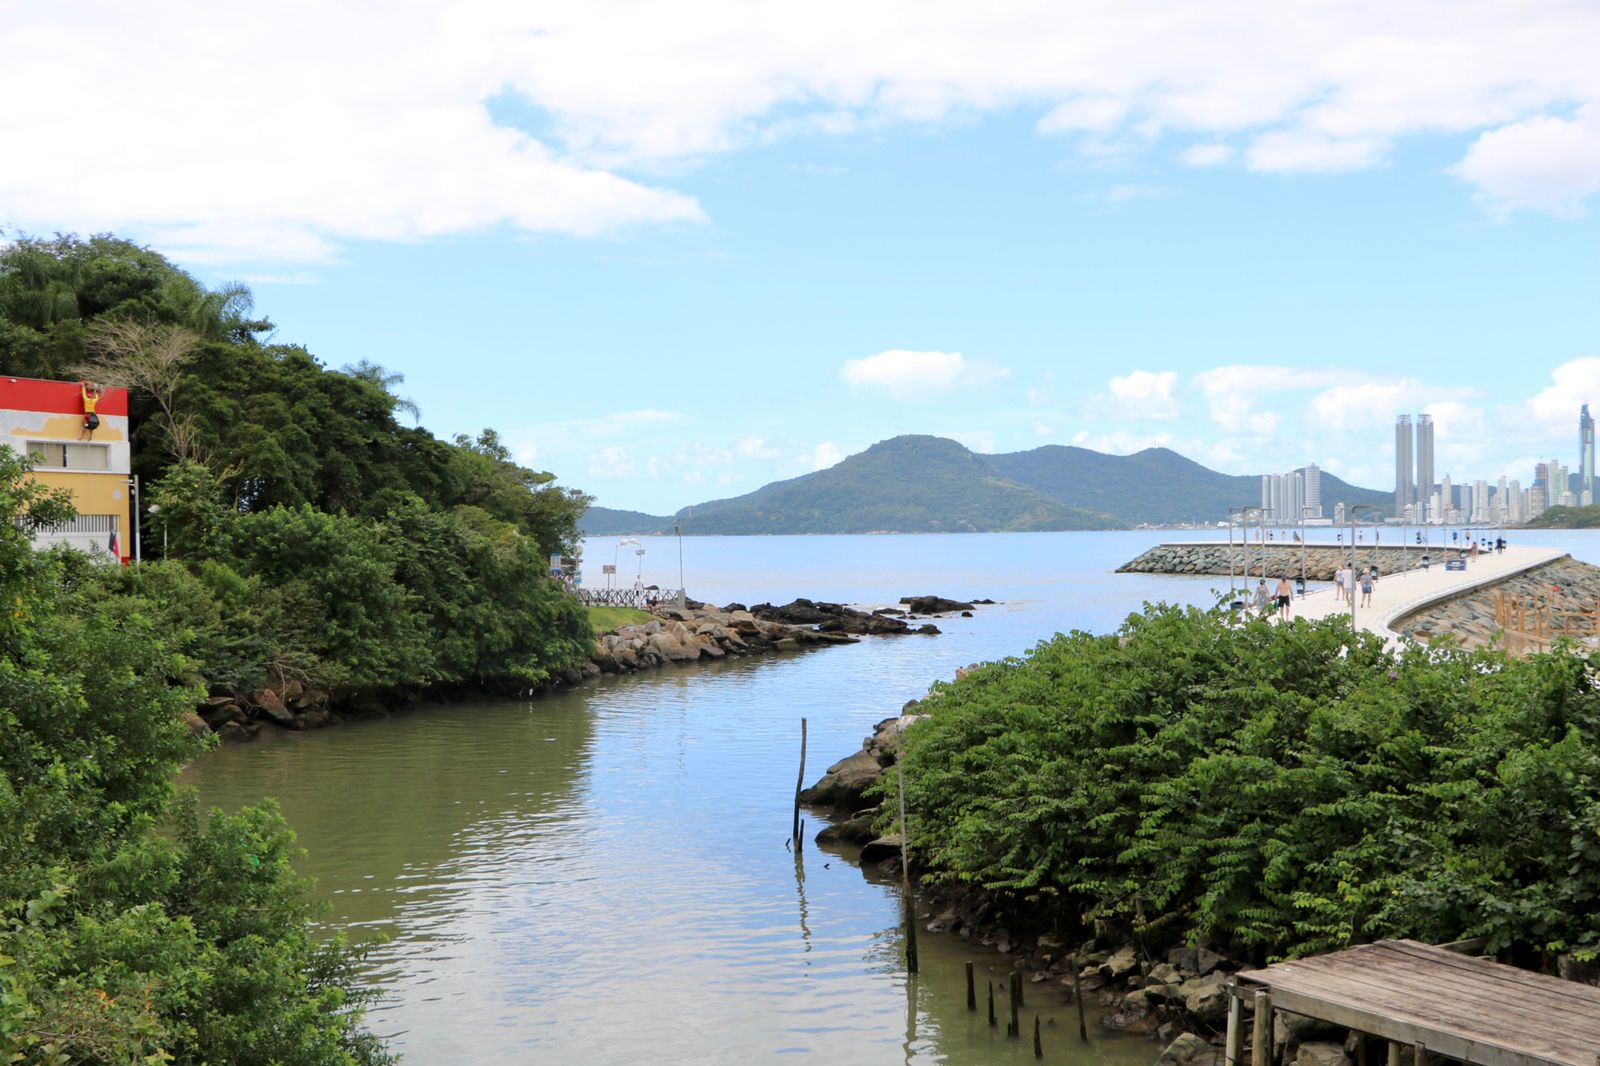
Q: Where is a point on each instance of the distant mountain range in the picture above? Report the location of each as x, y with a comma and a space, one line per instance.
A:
922, 484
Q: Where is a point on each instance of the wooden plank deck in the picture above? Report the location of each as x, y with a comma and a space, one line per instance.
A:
1474, 1010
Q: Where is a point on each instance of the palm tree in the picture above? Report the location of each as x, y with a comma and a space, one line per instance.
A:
385, 380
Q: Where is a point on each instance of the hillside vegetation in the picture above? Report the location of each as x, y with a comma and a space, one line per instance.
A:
1567, 518
1275, 790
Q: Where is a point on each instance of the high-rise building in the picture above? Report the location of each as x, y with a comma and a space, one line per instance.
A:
1424, 466
1403, 485
1585, 453
1447, 500
1313, 491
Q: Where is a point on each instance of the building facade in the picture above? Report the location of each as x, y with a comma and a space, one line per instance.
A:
1424, 493
1585, 490
1404, 486
45, 421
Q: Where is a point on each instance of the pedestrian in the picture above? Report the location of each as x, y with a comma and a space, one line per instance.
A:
1368, 579
1350, 585
1339, 577
1262, 599
1285, 597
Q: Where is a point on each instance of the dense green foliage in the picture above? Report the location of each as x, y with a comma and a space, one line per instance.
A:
307, 534
910, 484
1567, 518
1283, 789
120, 945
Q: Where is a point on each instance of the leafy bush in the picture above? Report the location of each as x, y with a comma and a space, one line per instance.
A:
1288, 789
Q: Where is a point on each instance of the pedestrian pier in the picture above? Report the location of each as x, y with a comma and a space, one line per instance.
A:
1431, 999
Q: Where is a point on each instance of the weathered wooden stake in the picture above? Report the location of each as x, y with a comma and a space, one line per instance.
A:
1233, 1050
1022, 1001
799, 785
1014, 1027
1394, 1053
1038, 1047
993, 1024
1077, 995
972, 990
1261, 1039
905, 875
1419, 1054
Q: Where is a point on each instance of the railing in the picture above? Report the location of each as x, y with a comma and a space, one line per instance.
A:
643, 599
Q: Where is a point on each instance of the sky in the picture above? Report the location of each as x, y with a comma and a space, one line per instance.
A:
675, 251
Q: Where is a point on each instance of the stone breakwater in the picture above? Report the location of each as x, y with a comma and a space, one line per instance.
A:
1469, 618
1320, 560
689, 634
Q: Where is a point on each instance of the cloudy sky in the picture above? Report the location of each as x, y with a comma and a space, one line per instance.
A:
676, 250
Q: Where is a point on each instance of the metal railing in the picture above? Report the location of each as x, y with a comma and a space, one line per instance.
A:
643, 599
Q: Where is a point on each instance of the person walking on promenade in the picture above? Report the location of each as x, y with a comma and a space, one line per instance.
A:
1285, 597
1350, 585
1368, 580
1262, 599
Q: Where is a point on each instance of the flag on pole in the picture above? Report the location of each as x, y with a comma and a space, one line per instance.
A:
112, 547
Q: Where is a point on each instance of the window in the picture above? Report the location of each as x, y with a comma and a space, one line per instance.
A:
50, 455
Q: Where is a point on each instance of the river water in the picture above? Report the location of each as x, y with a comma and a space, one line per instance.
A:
600, 875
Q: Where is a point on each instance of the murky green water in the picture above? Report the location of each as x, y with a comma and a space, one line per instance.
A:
601, 877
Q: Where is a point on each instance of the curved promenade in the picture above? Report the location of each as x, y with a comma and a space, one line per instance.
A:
1398, 595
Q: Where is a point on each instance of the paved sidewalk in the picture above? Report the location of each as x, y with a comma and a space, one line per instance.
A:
1398, 595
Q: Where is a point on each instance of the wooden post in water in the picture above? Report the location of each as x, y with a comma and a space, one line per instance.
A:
905, 874
1038, 1047
1014, 1027
972, 990
993, 1024
1233, 1050
1077, 995
799, 784
1261, 1039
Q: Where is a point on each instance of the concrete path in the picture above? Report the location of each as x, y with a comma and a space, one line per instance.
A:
1398, 595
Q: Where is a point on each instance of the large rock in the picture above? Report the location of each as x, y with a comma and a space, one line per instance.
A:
1206, 998
1122, 961
1322, 1053
1189, 1050
844, 782
197, 725
269, 705
857, 830
235, 733
933, 605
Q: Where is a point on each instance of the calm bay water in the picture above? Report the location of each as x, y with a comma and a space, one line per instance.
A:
599, 876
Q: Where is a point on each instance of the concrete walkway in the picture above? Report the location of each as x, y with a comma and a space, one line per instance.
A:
1397, 595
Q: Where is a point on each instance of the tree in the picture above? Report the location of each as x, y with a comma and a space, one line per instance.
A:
135, 355
386, 380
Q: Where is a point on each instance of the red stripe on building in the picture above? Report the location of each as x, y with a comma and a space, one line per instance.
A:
57, 397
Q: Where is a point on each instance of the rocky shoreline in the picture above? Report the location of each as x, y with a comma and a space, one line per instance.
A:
1470, 618
677, 635
1320, 560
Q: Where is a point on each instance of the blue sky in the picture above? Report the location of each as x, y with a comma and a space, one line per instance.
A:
674, 253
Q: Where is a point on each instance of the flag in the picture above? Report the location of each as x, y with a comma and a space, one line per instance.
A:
112, 547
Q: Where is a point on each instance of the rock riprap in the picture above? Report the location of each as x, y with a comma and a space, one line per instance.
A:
1281, 559
689, 634
1470, 618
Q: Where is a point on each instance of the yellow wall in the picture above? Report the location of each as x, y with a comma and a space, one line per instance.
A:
96, 493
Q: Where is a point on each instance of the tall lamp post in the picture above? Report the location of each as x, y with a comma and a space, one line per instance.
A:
1354, 509
615, 554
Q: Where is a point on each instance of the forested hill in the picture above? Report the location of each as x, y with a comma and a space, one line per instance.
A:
916, 484
911, 484
1156, 486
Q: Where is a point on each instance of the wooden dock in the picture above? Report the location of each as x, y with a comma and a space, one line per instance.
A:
1431, 999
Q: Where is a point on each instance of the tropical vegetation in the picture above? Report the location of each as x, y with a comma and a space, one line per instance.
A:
1278, 790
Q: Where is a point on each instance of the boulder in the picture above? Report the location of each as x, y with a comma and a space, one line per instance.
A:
1164, 973
313, 718
1189, 1050
844, 782
196, 724
1123, 961
1322, 1053
1134, 1014
933, 605
1206, 998
268, 705
881, 849
857, 830
235, 733
217, 715
1207, 961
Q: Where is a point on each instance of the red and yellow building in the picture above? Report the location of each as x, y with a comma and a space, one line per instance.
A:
45, 420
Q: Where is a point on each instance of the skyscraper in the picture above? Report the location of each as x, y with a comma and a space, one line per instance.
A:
1402, 464
1585, 453
1424, 466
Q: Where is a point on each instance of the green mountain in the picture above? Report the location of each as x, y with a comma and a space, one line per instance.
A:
610, 522
911, 484
1157, 485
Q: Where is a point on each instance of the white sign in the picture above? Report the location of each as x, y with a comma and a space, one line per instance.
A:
608, 568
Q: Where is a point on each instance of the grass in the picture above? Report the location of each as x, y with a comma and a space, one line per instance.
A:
605, 619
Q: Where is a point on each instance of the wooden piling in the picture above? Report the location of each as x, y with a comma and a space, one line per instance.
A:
905, 875
1014, 1027
993, 1024
1077, 995
1261, 1039
1038, 1045
1394, 1053
972, 990
799, 785
1233, 1050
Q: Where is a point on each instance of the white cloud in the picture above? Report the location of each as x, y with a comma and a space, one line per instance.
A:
755, 447
1231, 393
908, 375
1146, 394
826, 454
1573, 383
1545, 162
404, 121
1120, 442
1207, 155
612, 462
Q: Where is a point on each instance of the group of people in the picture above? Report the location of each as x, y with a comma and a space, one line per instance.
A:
1346, 578
1283, 597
